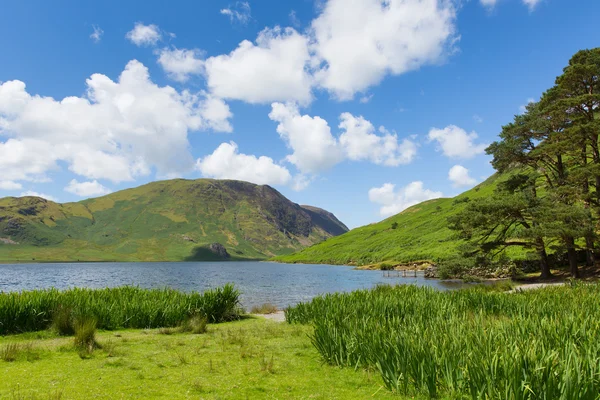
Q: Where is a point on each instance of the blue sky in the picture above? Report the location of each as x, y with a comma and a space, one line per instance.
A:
361, 107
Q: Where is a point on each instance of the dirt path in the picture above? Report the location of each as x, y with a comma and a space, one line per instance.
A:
278, 316
533, 286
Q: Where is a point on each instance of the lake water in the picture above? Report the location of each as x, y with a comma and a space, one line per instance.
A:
259, 282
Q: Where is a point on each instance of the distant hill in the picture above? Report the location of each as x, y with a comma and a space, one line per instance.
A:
163, 221
421, 234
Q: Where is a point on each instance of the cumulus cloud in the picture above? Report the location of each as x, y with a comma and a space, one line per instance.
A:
393, 201
459, 176
273, 69
314, 147
31, 193
227, 163
144, 35
118, 130
96, 35
180, 64
240, 12
455, 142
87, 189
360, 142
10, 185
358, 43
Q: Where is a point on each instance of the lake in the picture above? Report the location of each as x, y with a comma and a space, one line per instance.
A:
259, 282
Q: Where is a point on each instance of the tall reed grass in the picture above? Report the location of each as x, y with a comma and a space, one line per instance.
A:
114, 308
542, 344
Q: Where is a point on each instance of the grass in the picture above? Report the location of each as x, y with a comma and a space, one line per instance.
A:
478, 343
114, 308
421, 233
250, 358
266, 308
171, 220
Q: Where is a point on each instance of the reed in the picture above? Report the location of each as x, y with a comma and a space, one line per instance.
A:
478, 344
114, 308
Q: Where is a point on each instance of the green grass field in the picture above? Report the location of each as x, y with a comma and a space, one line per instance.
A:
248, 359
421, 234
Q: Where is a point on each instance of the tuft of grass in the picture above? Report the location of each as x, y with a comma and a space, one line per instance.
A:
167, 331
266, 308
62, 321
196, 325
266, 364
10, 352
85, 336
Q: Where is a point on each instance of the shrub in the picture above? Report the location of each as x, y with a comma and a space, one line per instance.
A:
394, 225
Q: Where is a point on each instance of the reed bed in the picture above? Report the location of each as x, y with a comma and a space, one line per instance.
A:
540, 344
114, 308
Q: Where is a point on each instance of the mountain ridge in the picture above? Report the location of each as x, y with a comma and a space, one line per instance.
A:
170, 220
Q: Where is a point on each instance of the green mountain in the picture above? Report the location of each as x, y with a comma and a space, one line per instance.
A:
419, 233
168, 220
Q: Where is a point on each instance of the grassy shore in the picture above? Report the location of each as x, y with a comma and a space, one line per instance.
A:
539, 344
250, 358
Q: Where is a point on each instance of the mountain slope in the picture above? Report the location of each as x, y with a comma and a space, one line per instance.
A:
167, 220
421, 233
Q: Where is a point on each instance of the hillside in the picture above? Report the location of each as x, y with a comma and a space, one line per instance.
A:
421, 234
171, 220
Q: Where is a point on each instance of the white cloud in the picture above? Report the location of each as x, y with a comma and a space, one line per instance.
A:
455, 142
459, 176
240, 12
179, 64
362, 41
531, 4
523, 108
392, 201
227, 163
144, 35
488, 3
273, 69
366, 98
87, 189
10, 185
477, 119
96, 36
360, 142
36, 194
117, 131
314, 147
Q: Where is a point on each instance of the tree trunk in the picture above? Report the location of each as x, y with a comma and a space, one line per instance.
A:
544, 266
572, 254
590, 255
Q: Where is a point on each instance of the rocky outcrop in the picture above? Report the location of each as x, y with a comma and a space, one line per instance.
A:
219, 250
7, 241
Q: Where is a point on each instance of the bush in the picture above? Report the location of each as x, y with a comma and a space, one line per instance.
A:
394, 225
